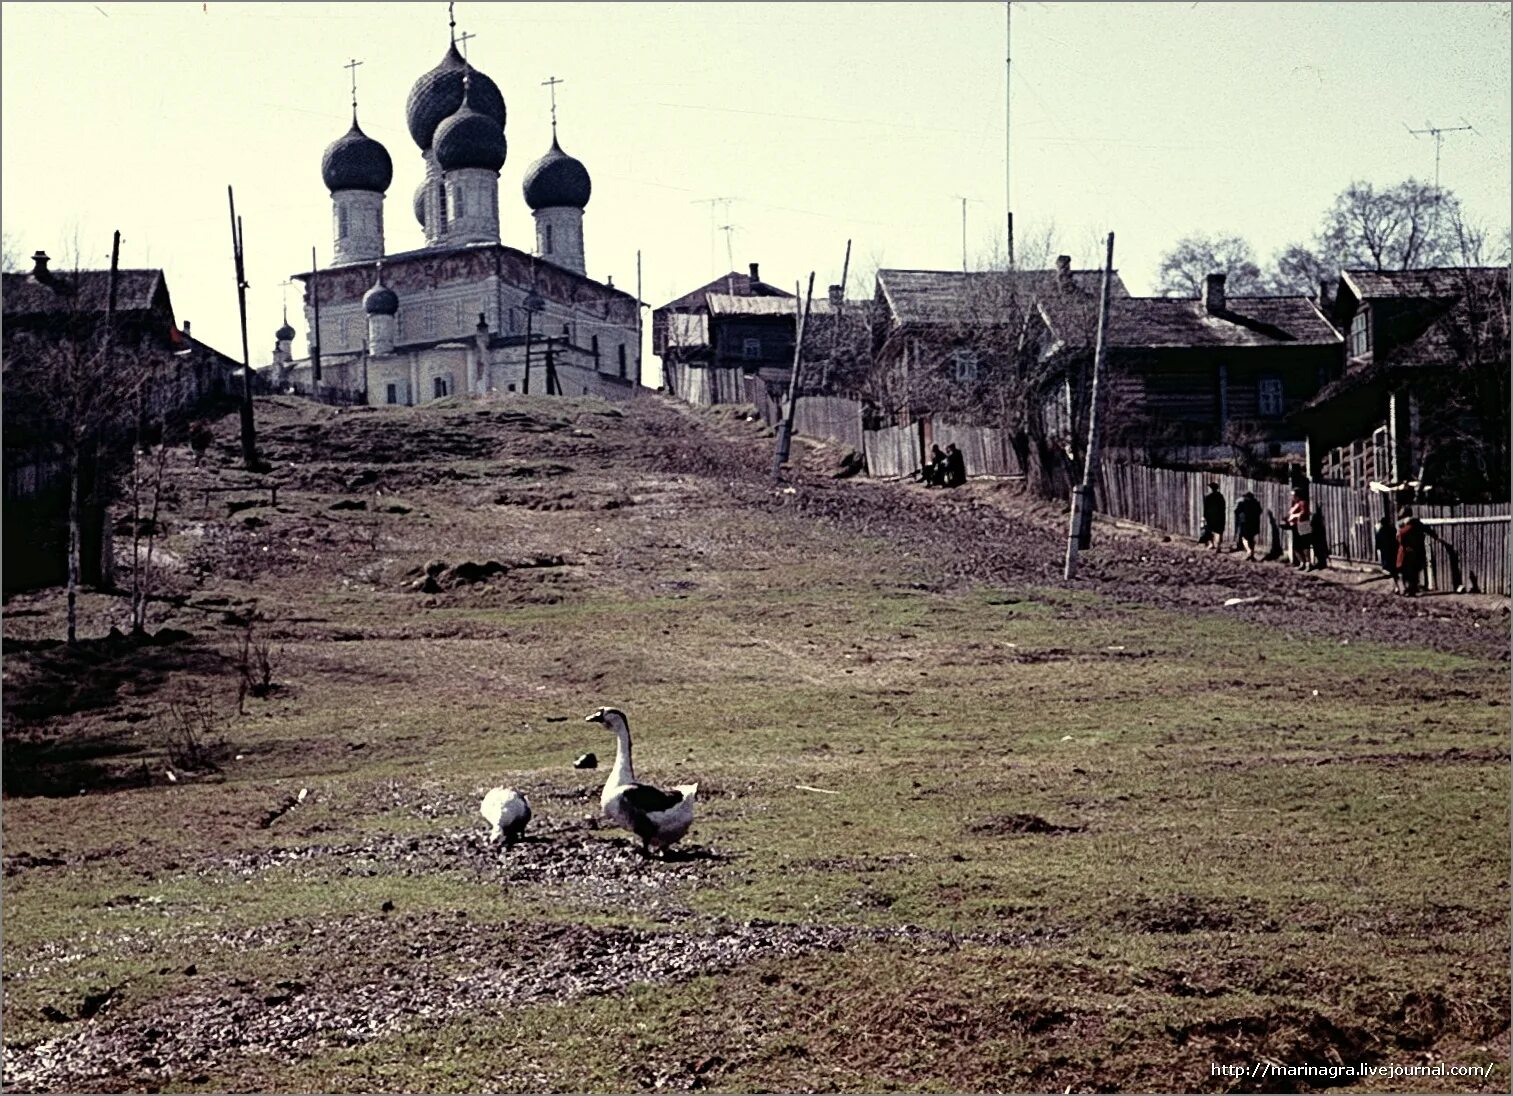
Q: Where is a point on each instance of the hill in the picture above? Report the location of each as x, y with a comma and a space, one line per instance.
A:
961, 826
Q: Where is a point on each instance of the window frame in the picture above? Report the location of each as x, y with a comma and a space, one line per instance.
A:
1271, 392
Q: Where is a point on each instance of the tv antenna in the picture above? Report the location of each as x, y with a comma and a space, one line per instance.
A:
1438, 133
713, 228
964, 201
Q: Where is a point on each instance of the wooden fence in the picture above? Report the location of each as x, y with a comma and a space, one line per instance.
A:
1469, 550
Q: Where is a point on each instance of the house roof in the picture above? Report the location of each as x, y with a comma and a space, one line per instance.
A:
25, 295
954, 296
725, 304
1431, 282
733, 284
1166, 322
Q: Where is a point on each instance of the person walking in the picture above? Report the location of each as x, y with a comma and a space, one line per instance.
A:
1412, 542
1214, 513
1386, 550
1248, 523
1299, 520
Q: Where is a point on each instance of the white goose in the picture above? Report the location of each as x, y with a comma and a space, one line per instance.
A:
659, 818
508, 812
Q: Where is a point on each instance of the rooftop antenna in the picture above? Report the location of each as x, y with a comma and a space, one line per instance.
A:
551, 83
711, 203
352, 66
964, 201
1438, 133
729, 254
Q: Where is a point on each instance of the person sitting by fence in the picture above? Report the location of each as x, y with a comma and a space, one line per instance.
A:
1214, 513
1299, 521
1386, 550
1319, 542
956, 467
934, 473
1248, 523
1412, 544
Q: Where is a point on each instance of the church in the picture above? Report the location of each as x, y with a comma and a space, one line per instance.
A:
466, 314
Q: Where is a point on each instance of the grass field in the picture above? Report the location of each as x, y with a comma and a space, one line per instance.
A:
960, 827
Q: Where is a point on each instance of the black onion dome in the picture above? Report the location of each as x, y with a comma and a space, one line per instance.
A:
420, 202
557, 179
380, 301
470, 139
437, 95
285, 333
356, 162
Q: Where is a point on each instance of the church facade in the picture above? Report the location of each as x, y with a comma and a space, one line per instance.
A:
465, 314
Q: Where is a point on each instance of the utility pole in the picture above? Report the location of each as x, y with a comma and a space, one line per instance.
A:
315, 334
1438, 133
1080, 533
639, 306
1008, 98
785, 432
964, 201
249, 430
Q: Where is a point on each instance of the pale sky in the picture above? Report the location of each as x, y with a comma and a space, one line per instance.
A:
821, 122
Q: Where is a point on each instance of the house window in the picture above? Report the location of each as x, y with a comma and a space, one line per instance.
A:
1360, 333
440, 386
392, 392
965, 362
622, 361
751, 349
1270, 397
546, 237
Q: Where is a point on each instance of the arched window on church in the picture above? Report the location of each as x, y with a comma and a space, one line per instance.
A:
341, 221
441, 213
459, 207
547, 240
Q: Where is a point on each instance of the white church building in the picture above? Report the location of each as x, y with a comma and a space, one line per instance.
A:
466, 313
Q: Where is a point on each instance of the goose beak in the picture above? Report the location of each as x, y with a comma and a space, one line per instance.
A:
597, 717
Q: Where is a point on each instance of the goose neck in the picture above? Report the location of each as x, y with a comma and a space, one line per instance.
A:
623, 772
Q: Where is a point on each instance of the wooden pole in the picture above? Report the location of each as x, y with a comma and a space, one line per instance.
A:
1080, 533
1008, 99
639, 334
315, 336
553, 385
249, 430
525, 386
785, 432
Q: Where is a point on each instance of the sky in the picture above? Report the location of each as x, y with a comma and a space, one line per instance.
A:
819, 123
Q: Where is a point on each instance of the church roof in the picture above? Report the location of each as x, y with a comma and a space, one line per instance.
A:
470, 139
355, 161
437, 95
557, 179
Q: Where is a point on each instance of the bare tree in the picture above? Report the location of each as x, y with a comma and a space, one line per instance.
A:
1184, 268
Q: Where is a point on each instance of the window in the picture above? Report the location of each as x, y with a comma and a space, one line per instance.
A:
595, 340
622, 361
459, 314
965, 362
428, 320
1270, 397
546, 240
751, 349
441, 211
1360, 333
440, 387
459, 206
392, 392
341, 221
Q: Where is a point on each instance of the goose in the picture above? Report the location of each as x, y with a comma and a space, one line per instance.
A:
507, 812
659, 818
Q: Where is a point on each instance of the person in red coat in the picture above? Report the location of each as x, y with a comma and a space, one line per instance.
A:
1412, 542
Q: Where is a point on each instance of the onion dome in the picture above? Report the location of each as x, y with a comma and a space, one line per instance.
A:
285, 333
557, 179
470, 139
380, 300
420, 202
437, 95
356, 162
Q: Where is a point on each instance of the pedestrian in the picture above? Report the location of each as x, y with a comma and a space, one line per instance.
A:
1412, 540
1248, 523
935, 471
1319, 542
1215, 510
956, 467
1299, 521
1386, 550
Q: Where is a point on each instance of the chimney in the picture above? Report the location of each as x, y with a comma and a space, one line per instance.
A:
835, 296
1326, 295
1064, 270
39, 267
1213, 294
755, 277
186, 329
